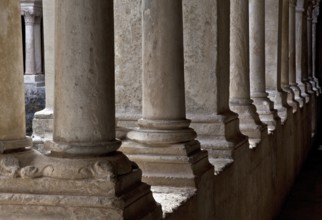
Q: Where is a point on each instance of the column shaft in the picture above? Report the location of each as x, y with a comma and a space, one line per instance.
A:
284, 54
257, 64
29, 44
12, 108
84, 120
315, 14
240, 102
292, 55
300, 52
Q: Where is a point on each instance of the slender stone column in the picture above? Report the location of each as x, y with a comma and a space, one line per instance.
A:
32, 12
240, 102
43, 120
284, 55
292, 55
300, 51
315, 14
272, 64
12, 110
263, 105
309, 47
164, 145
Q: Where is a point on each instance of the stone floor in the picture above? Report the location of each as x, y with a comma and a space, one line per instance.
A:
305, 199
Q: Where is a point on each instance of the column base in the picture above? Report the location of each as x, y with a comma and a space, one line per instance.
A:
291, 98
279, 99
313, 86
304, 92
220, 136
317, 85
37, 80
34, 186
250, 124
176, 165
266, 112
297, 95
42, 126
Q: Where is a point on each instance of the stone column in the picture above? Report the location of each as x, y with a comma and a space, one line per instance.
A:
292, 55
12, 108
164, 145
43, 120
240, 102
32, 12
272, 64
81, 173
300, 51
309, 47
207, 80
265, 108
284, 55
315, 14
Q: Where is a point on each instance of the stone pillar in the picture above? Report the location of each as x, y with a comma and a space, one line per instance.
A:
292, 55
284, 55
81, 174
240, 102
43, 120
309, 48
12, 108
164, 145
300, 51
315, 14
272, 64
32, 12
265, 108
207, 80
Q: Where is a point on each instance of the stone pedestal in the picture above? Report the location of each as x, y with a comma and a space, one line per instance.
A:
240, 102
264, 106
164, 145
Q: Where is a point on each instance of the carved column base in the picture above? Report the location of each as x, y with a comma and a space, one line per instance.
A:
42, 126
280, 104
37, 187
317, 85
313, 86
177, 165
250, 124
38, 80
291, 98
304, 92
297, 95
266, 112
220, 136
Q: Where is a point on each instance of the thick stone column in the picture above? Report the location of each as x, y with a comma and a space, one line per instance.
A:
300, 50
265, 108
12, 109
207, 80
240, 102
164, 146
272, 64
292, 55
32, 12
284, 54
315, 14
81, 174
43, 120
